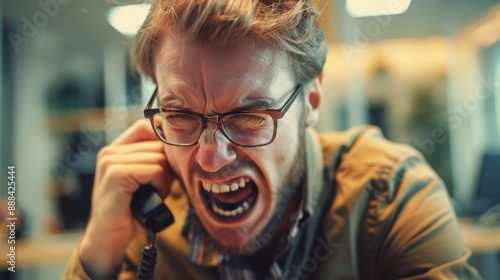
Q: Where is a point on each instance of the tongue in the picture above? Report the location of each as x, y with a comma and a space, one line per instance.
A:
236, 196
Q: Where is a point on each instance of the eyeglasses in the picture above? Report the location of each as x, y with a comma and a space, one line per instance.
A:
246, 128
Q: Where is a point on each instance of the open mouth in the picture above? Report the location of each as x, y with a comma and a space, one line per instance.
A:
230, 200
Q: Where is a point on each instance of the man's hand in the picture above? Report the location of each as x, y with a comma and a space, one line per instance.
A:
136, 157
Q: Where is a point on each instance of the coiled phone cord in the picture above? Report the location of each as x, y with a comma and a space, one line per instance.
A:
148, 259
154, 215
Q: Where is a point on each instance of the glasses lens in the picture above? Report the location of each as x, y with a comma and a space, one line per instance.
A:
177, 128
249, 129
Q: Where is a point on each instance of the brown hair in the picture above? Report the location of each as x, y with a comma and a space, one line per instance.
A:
290, 25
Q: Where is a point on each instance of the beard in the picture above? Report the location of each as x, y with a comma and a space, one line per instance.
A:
286, 197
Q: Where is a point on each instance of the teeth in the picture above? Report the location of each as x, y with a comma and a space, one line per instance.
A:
242, 208
215, 188
241, 183
207, 187
224, 188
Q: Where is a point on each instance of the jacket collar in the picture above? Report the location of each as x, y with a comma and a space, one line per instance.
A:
314, 173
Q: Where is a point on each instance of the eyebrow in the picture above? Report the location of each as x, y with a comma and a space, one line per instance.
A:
171, 102
253, 103
258, 103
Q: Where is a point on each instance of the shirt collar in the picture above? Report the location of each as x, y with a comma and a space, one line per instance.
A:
314, 159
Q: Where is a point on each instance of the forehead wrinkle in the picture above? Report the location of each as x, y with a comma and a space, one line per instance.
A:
176, 92
250, 54
235, 75
242, 91
172, 66
240, 78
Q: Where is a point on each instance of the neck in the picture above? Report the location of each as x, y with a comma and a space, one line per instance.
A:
264, 257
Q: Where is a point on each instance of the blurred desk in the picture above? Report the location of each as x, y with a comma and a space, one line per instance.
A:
480, 239
42, 250
484, 242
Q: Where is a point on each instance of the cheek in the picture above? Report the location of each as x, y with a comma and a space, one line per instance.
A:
283, 151
170, 155
283, 157
178, 158
286, 145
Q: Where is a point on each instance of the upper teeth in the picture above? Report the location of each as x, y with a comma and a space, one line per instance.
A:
223, 187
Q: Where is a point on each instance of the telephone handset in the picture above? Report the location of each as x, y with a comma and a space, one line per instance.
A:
149, 209
154, 215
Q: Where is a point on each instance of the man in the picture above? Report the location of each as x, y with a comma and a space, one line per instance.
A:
256, 194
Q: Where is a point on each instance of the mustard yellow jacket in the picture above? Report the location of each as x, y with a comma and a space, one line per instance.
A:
377, 211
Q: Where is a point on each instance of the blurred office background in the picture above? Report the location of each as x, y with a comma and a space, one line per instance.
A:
428, 75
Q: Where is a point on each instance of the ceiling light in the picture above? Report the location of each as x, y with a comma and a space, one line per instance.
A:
128, 19
368, 8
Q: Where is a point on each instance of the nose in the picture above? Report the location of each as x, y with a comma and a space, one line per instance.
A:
215, 150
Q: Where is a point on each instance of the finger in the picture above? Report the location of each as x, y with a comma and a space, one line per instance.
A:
141, 130
130, 176
138, 147
105, 162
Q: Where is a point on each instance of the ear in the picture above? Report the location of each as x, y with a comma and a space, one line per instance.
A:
313, 96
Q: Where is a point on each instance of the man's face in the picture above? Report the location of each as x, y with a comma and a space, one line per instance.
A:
238, 193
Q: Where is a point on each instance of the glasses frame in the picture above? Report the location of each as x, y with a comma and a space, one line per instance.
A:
275, 114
